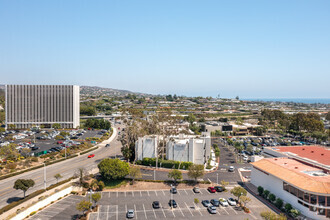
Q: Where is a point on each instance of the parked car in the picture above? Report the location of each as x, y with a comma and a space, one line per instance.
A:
212, 209
130, 213
231, 169
196, 190
107, 145
155, 205
223, 202
215, 202
211, 189
35, 148
172, 203
91, 155
219, 188
173, 190
206, 203
231, 201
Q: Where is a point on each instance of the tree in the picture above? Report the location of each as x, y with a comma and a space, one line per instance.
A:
224, 184
245, 200
175, 175
269, 215
327, 116
23, 184
260, 190
96, 197
135, 173
288, 207
196, 171
238, 191
127, 152
272, 197
80, 173
112, 169
56, 126
94, 185
57, 177
11, 126
9, 152
101, 185
279, 203
83, 206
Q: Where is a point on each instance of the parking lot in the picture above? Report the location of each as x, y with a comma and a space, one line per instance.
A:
114, 205
63, 209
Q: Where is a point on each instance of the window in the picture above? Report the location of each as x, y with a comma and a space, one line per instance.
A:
306, 197
286, 186
322, 200
328, 202
300, 194
313, 199
312, 208
293, 191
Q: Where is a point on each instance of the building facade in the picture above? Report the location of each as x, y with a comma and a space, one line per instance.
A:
146, 147
305, 187
42, 105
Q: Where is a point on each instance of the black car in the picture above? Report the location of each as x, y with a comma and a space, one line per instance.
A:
107, 145
219, 188
173, 190
35, 148
215, 202
155, 205
172, 203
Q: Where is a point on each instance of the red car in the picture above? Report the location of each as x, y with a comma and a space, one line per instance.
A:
91, 155
211, 189
59, 142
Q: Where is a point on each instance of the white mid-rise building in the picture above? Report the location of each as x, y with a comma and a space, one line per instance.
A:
146, 147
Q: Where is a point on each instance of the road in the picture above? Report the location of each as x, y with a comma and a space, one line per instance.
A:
66, 168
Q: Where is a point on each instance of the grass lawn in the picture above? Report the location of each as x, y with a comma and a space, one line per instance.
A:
112, 184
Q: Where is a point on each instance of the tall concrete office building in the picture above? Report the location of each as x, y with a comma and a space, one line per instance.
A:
45, 105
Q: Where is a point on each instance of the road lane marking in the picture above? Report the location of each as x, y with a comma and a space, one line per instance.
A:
188, 209
145, 214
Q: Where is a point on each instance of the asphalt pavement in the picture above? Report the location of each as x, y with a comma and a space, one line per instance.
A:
66, 168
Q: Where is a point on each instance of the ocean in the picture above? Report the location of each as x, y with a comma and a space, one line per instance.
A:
297, 100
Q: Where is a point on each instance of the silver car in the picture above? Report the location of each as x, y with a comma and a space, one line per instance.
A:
212, 209
130, 213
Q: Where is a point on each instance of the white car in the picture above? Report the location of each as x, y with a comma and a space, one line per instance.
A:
130, 213
223, 202
212, 209
245, 158
231, 201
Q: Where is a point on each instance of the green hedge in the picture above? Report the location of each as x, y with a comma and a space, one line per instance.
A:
16, 203
165, 163
85, 152
34, 168
170, 181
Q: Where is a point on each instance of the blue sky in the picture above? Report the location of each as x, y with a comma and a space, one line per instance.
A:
254, 49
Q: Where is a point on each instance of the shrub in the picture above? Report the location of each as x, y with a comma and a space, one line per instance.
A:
272, 197
85, 185
101, 185
294, 213
260, 190
279, 203
265, 194
11, 166
247, 210
288, 207
34, 159
32, 213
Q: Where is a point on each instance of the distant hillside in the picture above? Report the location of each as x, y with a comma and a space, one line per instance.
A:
95, 90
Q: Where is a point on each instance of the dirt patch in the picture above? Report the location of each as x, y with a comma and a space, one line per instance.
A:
154, 186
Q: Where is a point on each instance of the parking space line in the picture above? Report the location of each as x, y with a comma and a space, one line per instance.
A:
225, 210
125, 193
117, 194
252, 215
154, 213
178, 192
163, 212
200, 192
117, 210
186, 191
233, 210
107, 213
148, 193
98, 213
197, 208
180, 210
145, 214
172, 211
125, 208
135, 211
140, 194
188, 209
163, 192
156, 193
109, 194
133, 193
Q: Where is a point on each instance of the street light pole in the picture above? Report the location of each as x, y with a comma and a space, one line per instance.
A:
45, 185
